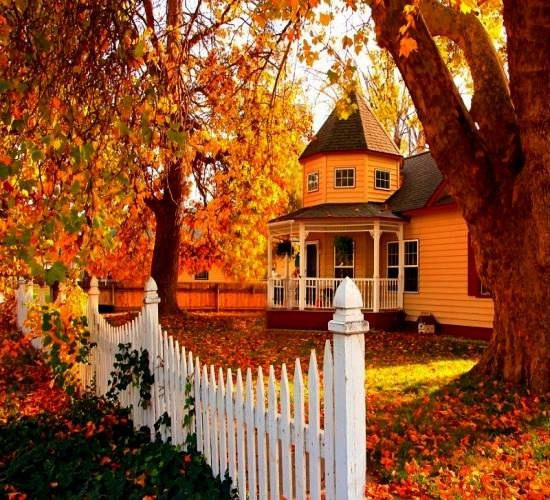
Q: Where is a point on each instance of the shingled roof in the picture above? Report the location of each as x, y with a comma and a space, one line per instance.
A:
339, 211
421, 179
361, 131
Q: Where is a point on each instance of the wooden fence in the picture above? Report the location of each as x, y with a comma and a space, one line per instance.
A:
271, 442
206, 296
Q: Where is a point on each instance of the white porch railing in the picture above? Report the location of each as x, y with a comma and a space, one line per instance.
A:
319, 292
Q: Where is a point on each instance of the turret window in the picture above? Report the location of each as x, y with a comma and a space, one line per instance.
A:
344, 178
381, 179
312, 182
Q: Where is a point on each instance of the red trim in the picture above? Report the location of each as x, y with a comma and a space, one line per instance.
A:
430, 210
436, 194
460, 331
318, 320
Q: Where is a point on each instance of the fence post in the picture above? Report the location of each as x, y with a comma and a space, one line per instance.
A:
348, 328
149, 340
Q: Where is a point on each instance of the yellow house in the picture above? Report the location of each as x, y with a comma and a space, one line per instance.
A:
386, 222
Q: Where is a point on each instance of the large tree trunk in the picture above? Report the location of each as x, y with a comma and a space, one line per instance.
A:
496, 161
165, 263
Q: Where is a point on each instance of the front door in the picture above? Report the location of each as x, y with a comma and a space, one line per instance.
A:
311, 272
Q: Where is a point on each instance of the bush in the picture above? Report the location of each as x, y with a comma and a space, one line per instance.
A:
93, 451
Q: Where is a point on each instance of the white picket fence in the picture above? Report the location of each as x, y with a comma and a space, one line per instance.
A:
269, 444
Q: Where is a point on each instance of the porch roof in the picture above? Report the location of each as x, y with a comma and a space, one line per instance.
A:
340, 211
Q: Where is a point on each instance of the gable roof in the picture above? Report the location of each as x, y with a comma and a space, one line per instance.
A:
361, 131
421, 179
339, 211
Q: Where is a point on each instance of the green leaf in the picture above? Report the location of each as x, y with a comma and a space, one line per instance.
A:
37, 155
4, 85
177, 137
56, 273
139, 49
4, 172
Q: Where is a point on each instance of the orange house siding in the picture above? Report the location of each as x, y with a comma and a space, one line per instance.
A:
443, 271
364, 164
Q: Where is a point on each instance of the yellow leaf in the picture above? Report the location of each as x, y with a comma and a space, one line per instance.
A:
325, 19
407, 45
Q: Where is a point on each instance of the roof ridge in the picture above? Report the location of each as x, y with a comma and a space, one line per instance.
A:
367, 105
418, 154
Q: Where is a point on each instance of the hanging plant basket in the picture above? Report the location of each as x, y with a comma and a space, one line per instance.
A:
284, 248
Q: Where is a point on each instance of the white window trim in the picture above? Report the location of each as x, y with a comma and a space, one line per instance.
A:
352, 267
409, 265
389, 180
354, 178
307, 182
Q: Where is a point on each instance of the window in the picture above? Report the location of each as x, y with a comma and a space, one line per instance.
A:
411, 263
313, 182
203, 276
411, 266
381, 179
393, 259
344, 256
344, 177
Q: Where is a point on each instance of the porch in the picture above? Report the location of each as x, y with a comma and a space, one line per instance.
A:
361, 241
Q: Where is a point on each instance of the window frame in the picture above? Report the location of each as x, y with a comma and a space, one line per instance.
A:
316, 173
202, 276
376, 170
354, 177
352, 267
474, 285
405, 266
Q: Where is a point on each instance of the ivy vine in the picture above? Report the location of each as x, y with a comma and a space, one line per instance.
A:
132, 367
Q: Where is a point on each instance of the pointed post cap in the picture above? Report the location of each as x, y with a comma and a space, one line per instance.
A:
150, 292
348, 318
347, 295
93, 290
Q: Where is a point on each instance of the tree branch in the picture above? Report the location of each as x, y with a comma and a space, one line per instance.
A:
492, 107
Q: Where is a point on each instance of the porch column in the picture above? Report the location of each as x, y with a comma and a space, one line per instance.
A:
302, 283
401, 275
376, 267
269, 268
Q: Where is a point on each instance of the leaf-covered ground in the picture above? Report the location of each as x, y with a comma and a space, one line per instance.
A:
433, 431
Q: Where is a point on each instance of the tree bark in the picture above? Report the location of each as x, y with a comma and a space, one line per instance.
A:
165, 263
503, 191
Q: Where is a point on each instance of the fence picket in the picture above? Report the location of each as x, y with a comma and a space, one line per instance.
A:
273, 437
198, 406
229, 411
241, 453
299, 433
261, 435
207, 451
250, 436
214, 434
286, 438
314, 429
328, 441
222, 436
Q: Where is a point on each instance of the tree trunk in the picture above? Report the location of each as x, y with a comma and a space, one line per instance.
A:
165, 263
497, 165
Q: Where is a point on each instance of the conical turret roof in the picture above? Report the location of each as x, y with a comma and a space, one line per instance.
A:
360, 131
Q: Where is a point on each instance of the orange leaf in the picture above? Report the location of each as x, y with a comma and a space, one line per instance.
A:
407, 45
